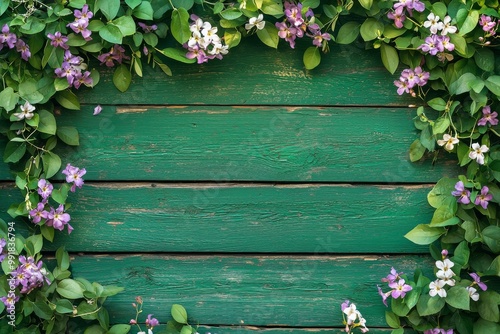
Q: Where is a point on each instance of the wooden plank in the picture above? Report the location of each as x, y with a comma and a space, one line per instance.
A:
252, 290
258, 75
275, 144
250, 218
243, 329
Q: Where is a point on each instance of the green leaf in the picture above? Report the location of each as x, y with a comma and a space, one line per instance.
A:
366, 4
437, 103
428, 305
348, 33
458, 297
462, 84
439, 9
14, 151
269, 35
122, 78
70, 289
47, 232
42, 310
390, 57
28, 90
180, 25
441, 192
111, 290
69, 135
119, 329
179, 313
47, 122
398, 331
232, 37
51, 164
312, 57
186, 4
144, 11
60, 195
486, 327
133, 3
424, 234
231, 14
177, 54
37, 242
470, 23
492, 232
493, 84
68, 100
95, 329
461, 254
371, 29
488, 305
8, 99
460, 44
399, 307
165, 69
111, 33
62, 258
108, 7
485, 59
417, 150
126, 25
64, 306
392, 319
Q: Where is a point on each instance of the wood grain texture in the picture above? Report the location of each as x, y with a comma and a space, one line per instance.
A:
238, 218
277, 144
253, 74
299, 291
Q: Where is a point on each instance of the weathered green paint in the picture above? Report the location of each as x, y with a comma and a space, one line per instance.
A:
277, 144
242, 218
296, 291
254, 74
243, 329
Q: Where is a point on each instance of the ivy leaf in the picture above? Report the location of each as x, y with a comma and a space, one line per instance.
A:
179, 313
458, 297
69, 135
493, 84
428, 305
68, 100
485, 59
119, 329
51, 164
392, 319
231, 14
28, 90
111, 33
70, 289
126, 25
367, 4
437, 104
180, 25
417, 150
348, 33
47, 123
269, 35
423, 234
108, 7
232, 37
144, 11
390, 57
462, 84
14, 151
186, 4
470, 23
312, 57
8, 99
64, 306
43, 310
177, 54
122, 78
486, 327
371, 29
133, 3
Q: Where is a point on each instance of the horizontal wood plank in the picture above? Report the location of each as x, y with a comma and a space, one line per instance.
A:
252, 290
258, 75
242, 218
276, 144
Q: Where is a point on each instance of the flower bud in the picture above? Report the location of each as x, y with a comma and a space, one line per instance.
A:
133, 322
444, 253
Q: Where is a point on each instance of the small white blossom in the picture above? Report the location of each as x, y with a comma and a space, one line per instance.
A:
433, 23
26, 112
473, 293
351, 313
447, 27
445, 269
437, 288
448, 142
477, 153
256, 22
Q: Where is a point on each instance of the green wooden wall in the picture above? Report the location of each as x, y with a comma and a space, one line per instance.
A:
257, 195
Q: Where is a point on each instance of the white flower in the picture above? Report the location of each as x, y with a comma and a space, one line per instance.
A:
448, 142
256, 22
196, 25
437, 289
473, 293
26, 111
351, 313
447, 280
433, 23
97, 110
444, 269
447, 27
477, 153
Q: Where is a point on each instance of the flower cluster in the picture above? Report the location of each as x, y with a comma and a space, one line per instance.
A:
204, 43
404, 6
116, 53
352, 315
444, 276
151, 322
463, 195
396, 283
10, 299
409, 79
29, 275
488, 24
3, 249
297, 24
73, 69
435, 43
438, 331
81, 22
10, 40
488, 117
74, 175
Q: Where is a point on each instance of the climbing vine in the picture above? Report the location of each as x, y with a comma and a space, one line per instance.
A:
448, 55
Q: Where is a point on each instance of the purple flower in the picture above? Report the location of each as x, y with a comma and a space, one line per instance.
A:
10, 300
443, 43
66, 71
393, 276
400, 288
198, 53
3, 249
97, 110
147, 28
422, 76
29, 275
58, 219
80, 27
84, 78
22, 47
344, 305
402, 87
151, 322
38, 213
430, 45
117, 53
477, 280
84, 14
462, 193
319, 37
287, 33
438, 331
417, 5
7, 37
487, 24
44, 188
58, 40
74, 174
484, 197
383, 295
398, 16
488, 117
